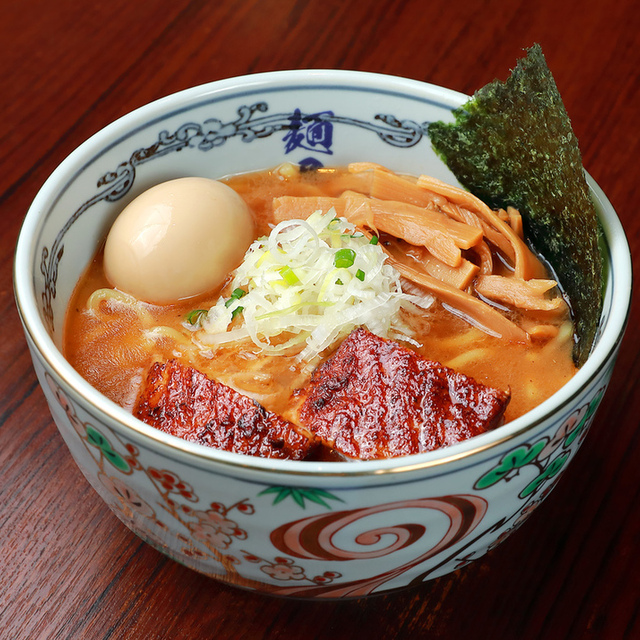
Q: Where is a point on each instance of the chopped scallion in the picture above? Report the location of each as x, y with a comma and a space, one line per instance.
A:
344, 258
360, 275
288, 275
374, 240
195, 317
235, 295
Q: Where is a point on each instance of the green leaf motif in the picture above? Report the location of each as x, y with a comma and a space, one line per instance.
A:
593, 405
513, 460
527, 454
96, 439
300, 494
552, 469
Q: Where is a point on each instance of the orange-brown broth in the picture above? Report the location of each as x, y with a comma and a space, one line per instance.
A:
110, 352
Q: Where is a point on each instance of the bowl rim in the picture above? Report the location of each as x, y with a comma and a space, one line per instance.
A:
616, 250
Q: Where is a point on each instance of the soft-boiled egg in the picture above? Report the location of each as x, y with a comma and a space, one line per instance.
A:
177, 240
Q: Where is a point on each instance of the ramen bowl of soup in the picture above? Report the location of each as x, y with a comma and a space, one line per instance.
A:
177, 249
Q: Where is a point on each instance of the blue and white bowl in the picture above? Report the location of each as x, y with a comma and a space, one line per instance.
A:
304, 529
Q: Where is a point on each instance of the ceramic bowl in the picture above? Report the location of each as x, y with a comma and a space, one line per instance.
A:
303, 529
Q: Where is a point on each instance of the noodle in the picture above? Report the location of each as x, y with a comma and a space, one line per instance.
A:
469, 356
440, 243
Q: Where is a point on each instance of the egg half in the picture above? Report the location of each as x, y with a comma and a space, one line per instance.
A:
177, 240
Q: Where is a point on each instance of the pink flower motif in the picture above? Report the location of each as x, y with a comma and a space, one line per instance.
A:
214, 529
217, 520
565, 429
525, 513
501, 538
284, 569
210, 535
67, 407
130, 502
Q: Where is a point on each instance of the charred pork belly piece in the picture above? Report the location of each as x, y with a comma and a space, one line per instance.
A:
377, 399
179, 400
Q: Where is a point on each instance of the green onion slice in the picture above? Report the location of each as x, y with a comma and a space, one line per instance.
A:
288, 275
235, 295
344, 258
194, 317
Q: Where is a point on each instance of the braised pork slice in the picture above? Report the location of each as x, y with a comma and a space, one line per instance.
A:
377, 399
180, 400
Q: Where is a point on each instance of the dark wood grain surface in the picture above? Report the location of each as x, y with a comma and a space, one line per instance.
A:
68, 568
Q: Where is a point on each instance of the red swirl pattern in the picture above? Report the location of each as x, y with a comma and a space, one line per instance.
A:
314, 538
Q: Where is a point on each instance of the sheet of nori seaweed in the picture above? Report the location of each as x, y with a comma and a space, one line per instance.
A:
512, 144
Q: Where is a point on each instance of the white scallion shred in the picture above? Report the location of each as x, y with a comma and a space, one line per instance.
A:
299, 281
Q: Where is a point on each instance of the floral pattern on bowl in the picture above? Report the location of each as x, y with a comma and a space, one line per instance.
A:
213, 541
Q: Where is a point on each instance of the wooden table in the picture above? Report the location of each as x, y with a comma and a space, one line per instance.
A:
68, 568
